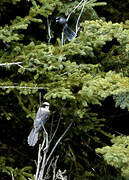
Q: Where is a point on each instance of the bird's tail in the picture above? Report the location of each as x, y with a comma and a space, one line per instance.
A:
70, 34
33, 137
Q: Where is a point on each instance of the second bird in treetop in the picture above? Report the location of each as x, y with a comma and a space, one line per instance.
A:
70, 34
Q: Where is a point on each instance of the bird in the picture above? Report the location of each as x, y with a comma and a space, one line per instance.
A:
70, 34
42, 116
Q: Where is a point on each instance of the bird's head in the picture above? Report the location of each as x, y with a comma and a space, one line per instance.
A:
61, 20
45, 105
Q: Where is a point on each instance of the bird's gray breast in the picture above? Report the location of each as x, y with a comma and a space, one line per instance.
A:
41, 118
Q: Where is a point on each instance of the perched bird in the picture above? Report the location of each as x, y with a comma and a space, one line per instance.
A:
42, 116
70, 34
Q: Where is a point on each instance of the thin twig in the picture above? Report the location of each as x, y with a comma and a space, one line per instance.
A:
93, 151
77, 28
54, 167
57, 143
12, 175
55, 130
51, 138
21, 87
49, 30
48, 169
117, 132
62, 38
51, 127
46, 137
22, 67
60, 175
10, 64
73, 10
40, 98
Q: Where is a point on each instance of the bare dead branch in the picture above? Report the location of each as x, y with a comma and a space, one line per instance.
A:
49, 30
77, 28
48, 169
51, 138
41, 171
57, 143
51, 127
54, 167
45, 150
10, 64
55, 130
39, 161
61, 175
12, 175
73, 10
62, 38
40, 98
21, 87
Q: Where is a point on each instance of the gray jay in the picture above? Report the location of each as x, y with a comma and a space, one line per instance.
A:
42, 116
70, 34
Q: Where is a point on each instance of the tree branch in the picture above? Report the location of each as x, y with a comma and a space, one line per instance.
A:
49, 30
77, 28
10, 64
12, 175
73, 10
57, 143
21, 87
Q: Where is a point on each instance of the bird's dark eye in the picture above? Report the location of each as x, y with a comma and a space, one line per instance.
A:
44, 105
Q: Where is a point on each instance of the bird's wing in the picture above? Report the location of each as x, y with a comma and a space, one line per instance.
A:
41, 118
70, 34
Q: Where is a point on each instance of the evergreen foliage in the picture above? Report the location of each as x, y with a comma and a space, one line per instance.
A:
76, 79
117, 154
